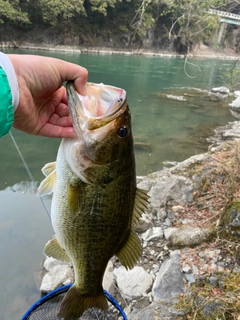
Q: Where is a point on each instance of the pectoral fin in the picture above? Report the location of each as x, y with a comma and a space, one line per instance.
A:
131, 252
54, 250
48, 184
76, 197
140, 205
49, 168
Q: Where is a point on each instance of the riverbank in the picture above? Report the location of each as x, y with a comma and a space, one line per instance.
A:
200, 52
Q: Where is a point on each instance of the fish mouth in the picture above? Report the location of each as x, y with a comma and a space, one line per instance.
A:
101, 105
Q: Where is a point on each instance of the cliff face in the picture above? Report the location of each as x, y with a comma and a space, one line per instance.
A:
107, 35
76, 37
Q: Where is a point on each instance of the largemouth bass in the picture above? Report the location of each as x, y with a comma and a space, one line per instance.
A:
95, 201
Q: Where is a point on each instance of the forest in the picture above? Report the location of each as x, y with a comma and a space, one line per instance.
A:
153, 24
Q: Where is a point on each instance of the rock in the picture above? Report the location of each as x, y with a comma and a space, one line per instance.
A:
178, 208
236, 93
57, 276
50, 262
225, 133
169, 281
217, 96
189, 277
219, 93
211, 308
133, 283
164, 186
208, 254
187, 236
235, 107
143, 224
235, 104
187, 221
169, 231
108, 280
186, 268
235, 218
223, 90
152, 234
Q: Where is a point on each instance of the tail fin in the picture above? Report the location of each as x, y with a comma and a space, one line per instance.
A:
75, 303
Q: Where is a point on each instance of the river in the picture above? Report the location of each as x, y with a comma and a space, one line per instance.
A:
170, 119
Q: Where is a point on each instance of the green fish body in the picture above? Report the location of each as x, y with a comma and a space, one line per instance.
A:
95, 199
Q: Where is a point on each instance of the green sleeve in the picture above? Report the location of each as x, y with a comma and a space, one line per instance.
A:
6, 107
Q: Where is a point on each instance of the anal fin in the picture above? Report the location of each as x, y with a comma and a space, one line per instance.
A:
54, 250
131, 252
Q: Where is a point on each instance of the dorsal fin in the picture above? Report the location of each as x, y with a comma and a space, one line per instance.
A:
140, 205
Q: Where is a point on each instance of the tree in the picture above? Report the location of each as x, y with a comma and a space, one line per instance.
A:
191, 22
102, 5
10, 10
54, 11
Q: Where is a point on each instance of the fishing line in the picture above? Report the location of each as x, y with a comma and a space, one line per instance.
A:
29, 172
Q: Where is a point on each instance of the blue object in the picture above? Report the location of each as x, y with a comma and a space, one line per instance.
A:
63, 289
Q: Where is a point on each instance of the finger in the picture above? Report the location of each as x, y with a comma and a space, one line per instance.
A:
62, 110
60, 121
54, 131
70, 71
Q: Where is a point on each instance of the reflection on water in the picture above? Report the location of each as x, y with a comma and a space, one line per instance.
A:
24, 230
169, 125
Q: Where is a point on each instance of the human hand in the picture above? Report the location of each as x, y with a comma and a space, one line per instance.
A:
43, 107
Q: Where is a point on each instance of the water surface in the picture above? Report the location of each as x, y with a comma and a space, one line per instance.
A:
164, 130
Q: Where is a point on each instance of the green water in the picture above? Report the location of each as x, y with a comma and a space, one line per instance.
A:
164, 130
170, 130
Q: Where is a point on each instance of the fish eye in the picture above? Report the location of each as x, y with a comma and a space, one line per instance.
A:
123, 131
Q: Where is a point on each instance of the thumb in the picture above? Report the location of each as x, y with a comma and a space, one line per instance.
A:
70, 71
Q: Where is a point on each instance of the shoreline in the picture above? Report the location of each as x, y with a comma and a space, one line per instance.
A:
201, 53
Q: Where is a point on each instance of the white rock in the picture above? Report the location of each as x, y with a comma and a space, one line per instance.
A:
223, 90
133, 283
236, 93
50, 262
152, 234
169, 231
186, 268
187, 221
56, 277
235, 104
108, 280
